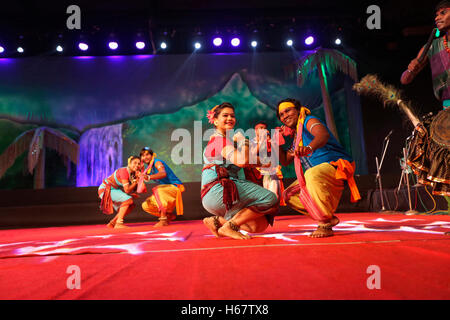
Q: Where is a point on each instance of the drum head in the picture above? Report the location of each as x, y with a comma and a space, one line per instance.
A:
440, 128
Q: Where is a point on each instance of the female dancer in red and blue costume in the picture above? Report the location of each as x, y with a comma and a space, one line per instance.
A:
235, 203
116, 192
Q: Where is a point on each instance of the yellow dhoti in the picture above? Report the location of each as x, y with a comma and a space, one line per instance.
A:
166, 198
324, 188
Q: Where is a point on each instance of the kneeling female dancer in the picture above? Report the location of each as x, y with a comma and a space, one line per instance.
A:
116, 192
236, 204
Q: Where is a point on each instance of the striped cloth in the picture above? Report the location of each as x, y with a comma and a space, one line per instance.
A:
440, 68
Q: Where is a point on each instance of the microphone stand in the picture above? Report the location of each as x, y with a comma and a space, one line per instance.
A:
410, 211
383, 209
404, 167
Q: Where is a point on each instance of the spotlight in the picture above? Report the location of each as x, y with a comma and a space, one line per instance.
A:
20, 50
2, 49
289, 43
140, 45
235, 42
197, 45
217, 41
337, 42
254, 43
309, 40
59, 48
83, 46
113, 45
163, 45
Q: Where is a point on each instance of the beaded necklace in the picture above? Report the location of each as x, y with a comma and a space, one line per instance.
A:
445, 44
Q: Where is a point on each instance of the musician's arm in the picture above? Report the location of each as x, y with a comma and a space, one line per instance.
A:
414, 68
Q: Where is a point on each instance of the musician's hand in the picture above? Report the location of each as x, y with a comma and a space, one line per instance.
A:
414, 66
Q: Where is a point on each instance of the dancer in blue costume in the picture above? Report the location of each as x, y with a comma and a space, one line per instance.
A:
235, 203
166, 195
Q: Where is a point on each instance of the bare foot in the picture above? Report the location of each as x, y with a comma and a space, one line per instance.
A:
325, 229
171, 216
227, 231
209, 223
161, 223
322, 232
120, 226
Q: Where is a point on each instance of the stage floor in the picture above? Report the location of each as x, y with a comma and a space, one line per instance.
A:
371, 256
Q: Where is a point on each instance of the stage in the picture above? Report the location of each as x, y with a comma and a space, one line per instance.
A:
371, 256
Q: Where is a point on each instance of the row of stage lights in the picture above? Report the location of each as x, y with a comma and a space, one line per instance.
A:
218, 42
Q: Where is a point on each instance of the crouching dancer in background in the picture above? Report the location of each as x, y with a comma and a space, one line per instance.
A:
117, 192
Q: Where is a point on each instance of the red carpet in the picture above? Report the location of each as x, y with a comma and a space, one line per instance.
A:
183, 261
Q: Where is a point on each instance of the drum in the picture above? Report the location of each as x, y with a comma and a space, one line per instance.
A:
440, 128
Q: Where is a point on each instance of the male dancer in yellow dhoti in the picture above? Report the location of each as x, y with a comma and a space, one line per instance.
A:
167, 194
325, 162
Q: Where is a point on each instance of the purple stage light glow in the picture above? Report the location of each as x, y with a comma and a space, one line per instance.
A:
235, 42
83, 46
143, 56
217, 42
309, 40
140, 45
113, 45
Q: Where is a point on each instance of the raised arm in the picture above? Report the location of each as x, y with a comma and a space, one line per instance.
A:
414, 68
161, 174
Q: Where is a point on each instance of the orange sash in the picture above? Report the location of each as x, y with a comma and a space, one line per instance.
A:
345, 171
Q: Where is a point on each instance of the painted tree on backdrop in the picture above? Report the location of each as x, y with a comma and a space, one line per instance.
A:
330, 61
36, 140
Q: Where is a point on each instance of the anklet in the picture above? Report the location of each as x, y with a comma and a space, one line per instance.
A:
217, 224
234, 226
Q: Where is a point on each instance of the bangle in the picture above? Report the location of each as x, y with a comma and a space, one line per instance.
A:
310, 148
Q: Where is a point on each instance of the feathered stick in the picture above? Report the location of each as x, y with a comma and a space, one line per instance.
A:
389, 95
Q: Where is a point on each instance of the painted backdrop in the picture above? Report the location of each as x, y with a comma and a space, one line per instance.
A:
113, 106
